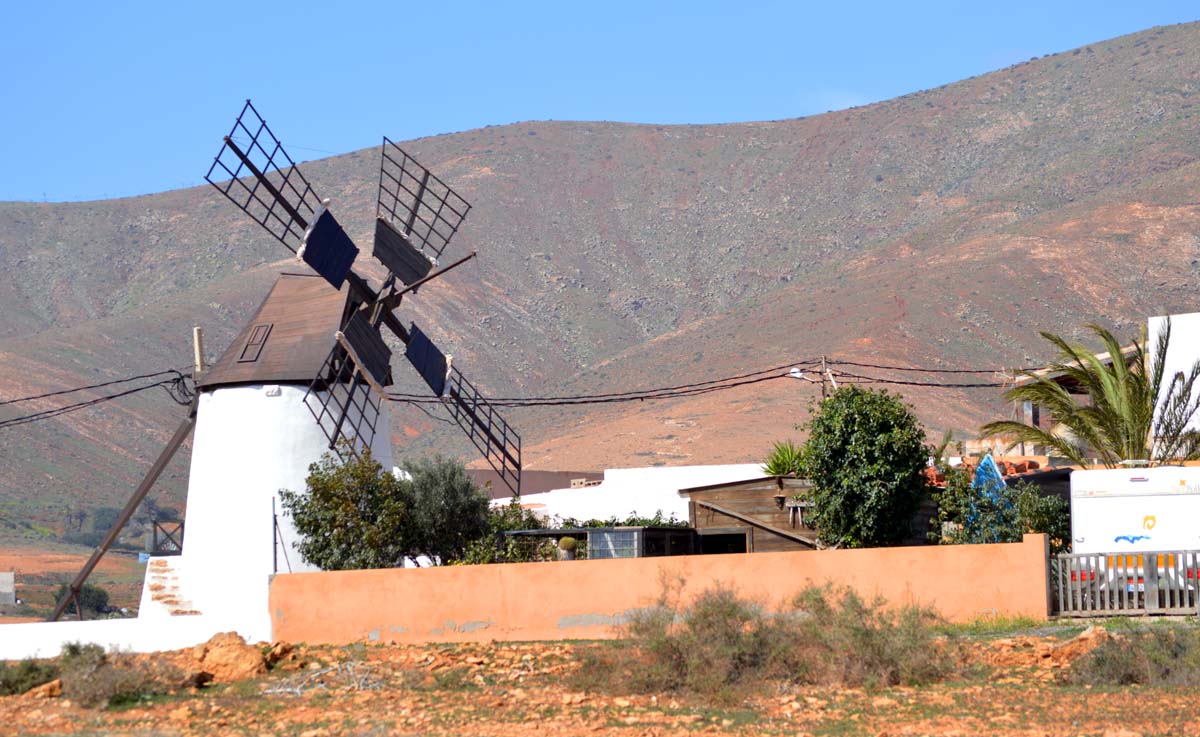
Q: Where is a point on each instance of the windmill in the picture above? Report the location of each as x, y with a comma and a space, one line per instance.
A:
416, 216
307, 374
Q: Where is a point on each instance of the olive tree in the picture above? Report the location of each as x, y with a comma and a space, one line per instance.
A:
449, 510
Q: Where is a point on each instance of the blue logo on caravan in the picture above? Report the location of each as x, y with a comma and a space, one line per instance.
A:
1131, 539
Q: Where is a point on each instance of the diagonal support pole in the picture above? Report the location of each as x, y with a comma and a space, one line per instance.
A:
181, 434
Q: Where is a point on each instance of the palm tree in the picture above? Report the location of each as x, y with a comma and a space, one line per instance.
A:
1131, 413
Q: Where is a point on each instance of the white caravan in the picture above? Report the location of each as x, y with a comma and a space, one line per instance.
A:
1135, 509
1139, 511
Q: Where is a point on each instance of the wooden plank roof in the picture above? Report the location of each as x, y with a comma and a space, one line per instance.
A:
289, 337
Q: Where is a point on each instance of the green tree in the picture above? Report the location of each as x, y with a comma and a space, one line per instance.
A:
104, 518
93, 599
1118, 421
866, 458
354, 514
449, 510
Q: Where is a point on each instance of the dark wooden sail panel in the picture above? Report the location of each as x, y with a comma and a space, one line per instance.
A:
425, 357
327, 248
394, 251
370, 352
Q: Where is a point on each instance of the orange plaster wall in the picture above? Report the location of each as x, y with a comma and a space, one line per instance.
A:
585, 599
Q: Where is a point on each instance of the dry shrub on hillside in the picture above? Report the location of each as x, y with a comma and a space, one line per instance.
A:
18, 678
723, 643
93, 678
1163, 655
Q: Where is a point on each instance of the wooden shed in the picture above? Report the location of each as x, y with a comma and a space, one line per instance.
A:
766, 514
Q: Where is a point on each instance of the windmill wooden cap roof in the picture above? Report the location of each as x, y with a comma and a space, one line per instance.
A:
289, 337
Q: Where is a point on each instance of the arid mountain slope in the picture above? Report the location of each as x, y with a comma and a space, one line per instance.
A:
942, 228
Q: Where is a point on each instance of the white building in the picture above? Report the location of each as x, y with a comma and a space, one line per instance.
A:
625, 492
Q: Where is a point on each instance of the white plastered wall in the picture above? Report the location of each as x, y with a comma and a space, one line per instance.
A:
1183, 350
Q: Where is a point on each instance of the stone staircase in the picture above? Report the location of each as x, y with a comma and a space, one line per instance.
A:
161, 592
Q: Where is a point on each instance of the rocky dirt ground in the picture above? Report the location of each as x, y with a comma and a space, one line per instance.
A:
525, 688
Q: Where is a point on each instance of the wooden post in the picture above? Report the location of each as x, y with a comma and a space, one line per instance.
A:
197, 351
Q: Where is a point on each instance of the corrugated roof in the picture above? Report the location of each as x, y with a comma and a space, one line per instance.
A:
288, 338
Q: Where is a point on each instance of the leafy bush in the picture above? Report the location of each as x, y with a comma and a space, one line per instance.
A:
1001, 514
91, 538
93, 678
722, 644
448, 509
19, 678
493, 547
1164, 655
866, 458
355, 514
633, 520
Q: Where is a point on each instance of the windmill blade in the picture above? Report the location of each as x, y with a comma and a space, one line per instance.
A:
492, 436
342, 401
416, 216
495, 439
367, 350
258, 176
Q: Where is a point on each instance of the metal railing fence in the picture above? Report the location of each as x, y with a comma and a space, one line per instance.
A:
1114, 584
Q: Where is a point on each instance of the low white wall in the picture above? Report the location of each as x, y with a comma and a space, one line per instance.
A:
45, 639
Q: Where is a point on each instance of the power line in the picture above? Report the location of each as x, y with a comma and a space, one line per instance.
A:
729, 382
860, 379
834, 362
177, 388
670, 392
181, 393
89, 386
683, 389
49, 413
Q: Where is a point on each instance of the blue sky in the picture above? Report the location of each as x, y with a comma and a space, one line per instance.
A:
118, 98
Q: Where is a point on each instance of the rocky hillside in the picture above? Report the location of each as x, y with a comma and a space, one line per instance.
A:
942, 228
